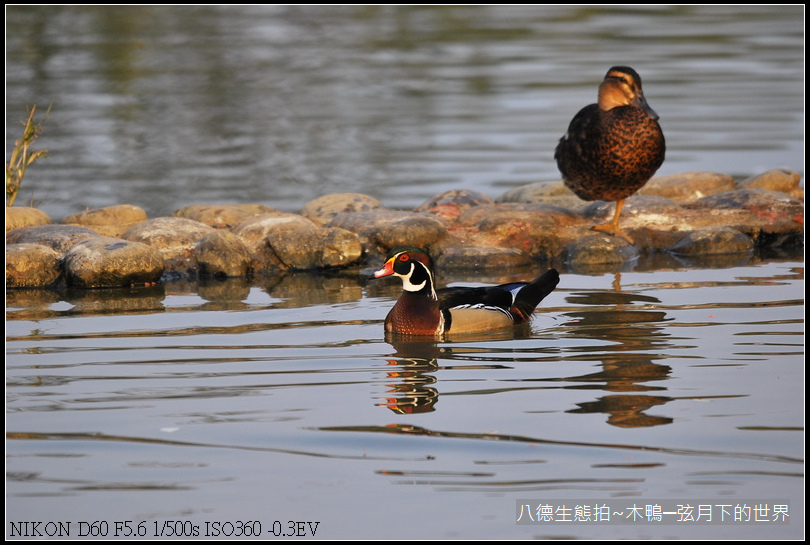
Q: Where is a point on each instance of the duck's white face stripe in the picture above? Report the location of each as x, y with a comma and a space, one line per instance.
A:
412, 287
407, 285
406, 281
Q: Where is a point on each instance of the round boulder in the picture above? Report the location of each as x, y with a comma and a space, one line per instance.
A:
367, 225
111, 221
773, 202
104, 262
480, 258
59, 237
31, 266
223, 254
777, 179
414, 230
174, 237
600, 249
551, 193
688, 186
223, 216
323, 209
255, 229
450, 204
637, 206
714, 240
316, 247
339, 247
24, 216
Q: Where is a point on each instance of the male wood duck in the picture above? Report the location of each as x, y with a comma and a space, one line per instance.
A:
424, 311
612, 148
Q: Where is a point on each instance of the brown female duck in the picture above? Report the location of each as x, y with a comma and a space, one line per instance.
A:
612, 148
424, 311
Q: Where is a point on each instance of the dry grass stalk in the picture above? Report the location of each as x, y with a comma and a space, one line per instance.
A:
22, 156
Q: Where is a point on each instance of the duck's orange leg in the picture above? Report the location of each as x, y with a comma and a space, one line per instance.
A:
612, 227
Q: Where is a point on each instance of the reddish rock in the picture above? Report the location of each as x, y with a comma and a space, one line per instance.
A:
760, 213
450, 204
532, 229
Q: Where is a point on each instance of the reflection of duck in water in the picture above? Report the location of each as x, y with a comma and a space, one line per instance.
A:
411, 388
627, 411
411, 373
627, 365
627, 372
424, 311
612, 148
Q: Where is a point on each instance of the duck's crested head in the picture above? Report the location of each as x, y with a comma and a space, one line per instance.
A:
413, 265
622, 87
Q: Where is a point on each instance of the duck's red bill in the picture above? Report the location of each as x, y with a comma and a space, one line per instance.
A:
387, 269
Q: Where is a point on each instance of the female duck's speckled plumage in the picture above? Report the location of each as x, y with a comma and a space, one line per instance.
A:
614, 147
424, 311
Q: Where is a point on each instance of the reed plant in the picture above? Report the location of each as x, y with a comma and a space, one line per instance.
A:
22, 156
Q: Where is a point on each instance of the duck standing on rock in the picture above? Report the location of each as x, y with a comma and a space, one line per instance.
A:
614, 147
424, 311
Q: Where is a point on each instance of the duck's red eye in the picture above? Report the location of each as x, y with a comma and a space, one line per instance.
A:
404, 257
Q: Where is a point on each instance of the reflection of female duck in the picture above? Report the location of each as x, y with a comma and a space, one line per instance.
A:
627, 411
424, 311
612, 148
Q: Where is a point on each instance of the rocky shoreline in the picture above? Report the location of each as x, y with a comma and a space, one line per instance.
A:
692, 215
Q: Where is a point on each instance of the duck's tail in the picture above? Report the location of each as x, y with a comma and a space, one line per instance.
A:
532, 293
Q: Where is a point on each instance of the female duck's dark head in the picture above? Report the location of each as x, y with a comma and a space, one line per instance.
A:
622, 87
414, 266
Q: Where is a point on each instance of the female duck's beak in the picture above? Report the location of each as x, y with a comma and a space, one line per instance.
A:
641, 102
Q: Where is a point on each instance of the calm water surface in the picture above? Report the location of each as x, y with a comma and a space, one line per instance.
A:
284, 402
281, 400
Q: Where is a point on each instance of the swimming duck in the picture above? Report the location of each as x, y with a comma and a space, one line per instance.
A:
424, 311
612, 148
